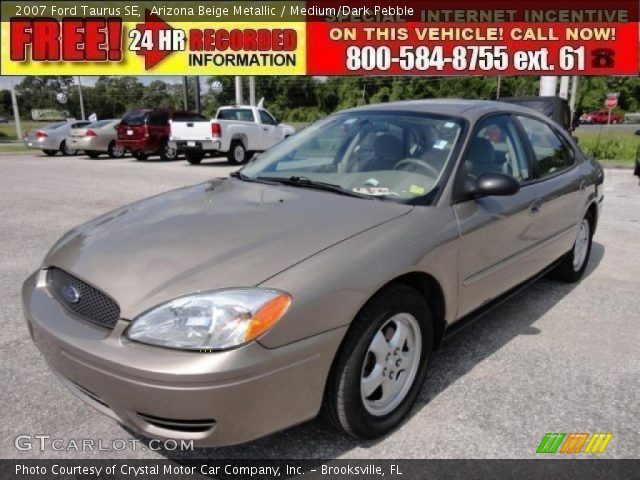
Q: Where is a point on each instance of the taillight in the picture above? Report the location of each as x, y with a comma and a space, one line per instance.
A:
41, 134
90, 133
216, 130
145, 128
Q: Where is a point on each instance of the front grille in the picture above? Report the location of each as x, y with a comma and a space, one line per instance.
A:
90, 304
192, 426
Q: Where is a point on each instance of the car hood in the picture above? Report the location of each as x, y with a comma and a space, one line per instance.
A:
222, 233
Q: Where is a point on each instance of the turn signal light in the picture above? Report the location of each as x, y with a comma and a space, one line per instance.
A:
268, 314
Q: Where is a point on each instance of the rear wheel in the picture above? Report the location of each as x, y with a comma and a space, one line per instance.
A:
114, 150
50, 153
237, 154
67, 150
140, 155
93, 154
574, 263
381, 365
167, 152
194, 158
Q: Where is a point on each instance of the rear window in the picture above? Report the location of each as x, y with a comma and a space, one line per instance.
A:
53, 126
239, 114
100, 123
137, 117
188, 117
79, 125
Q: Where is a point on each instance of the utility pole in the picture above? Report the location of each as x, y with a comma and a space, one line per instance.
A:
238, 90
252, 90
573, 98
499, 84
564, 87
16, 113
548, 86
197, 94
185, 92
81, 99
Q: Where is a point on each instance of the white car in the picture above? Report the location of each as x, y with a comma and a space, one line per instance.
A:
238, 132
52, 138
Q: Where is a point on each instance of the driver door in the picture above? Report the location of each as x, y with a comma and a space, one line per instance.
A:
270, 133
495, 231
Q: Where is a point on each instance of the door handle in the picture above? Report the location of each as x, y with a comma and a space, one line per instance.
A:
265, 129
535, 209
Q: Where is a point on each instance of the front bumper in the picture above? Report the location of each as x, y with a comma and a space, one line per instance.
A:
216, 399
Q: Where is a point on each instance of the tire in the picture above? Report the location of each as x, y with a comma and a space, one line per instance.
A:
50, 153
140, 155
237, 154
114, 150
194, 158
574, 263
66, 150
167, 153
93, 154
352, 402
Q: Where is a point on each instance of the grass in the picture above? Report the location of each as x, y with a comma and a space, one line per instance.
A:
8, 130
615, 146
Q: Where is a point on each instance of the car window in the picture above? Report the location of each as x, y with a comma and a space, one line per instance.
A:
53, 126
79, 124
496, 147
551, 153
136, 117
188, 117
99, 123
266, 118
239, 114
159, 118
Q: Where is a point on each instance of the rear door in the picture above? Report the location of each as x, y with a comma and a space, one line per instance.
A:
158, 126
133, 125
496, 236
560, 187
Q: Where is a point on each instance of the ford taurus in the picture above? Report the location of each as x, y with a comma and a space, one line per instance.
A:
320, 278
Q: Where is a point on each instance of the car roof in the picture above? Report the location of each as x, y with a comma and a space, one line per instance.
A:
470, 109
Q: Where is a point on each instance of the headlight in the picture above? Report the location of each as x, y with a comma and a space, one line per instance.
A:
212, 320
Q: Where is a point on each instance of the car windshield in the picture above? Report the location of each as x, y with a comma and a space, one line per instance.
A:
396, 156
53, 126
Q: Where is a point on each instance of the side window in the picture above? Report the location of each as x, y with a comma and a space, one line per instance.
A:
551, 153
496, 148
154, 119
266, 118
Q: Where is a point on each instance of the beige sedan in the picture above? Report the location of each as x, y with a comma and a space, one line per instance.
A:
97, 138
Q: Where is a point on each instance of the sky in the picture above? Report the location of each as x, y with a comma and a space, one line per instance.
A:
5, 81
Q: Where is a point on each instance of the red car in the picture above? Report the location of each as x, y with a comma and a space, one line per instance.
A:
146, 132
602, 117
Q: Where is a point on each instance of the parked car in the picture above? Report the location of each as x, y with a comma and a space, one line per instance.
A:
601, 117
97, 138
321, 276
52, 138
632, 117
238, 132
145, 132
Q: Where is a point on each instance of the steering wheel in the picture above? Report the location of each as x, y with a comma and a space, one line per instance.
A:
431, 170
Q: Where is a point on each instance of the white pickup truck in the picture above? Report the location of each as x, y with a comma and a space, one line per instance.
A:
237, 132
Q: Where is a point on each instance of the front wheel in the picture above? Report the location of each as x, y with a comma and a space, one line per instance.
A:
114, 150
237, 154
167, 152
381, 365
66, 150
194, 158
574, 263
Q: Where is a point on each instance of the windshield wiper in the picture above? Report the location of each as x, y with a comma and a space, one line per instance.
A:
305, 182
246, 178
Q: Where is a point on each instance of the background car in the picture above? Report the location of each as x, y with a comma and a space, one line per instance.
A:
601, 117
51, 138
146, 132
97, 138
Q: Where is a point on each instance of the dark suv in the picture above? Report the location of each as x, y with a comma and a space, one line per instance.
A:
146, 132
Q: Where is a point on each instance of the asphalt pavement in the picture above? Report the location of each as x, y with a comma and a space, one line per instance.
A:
555, 358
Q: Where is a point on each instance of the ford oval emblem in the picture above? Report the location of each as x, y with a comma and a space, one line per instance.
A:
70, 293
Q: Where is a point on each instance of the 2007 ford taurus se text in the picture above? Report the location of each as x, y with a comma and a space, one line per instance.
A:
319, 278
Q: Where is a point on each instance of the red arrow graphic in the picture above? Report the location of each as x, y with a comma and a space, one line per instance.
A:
154, 24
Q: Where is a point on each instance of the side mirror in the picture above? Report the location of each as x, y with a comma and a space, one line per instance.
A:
492, 184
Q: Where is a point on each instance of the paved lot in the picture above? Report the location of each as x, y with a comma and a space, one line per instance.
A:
556, 358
